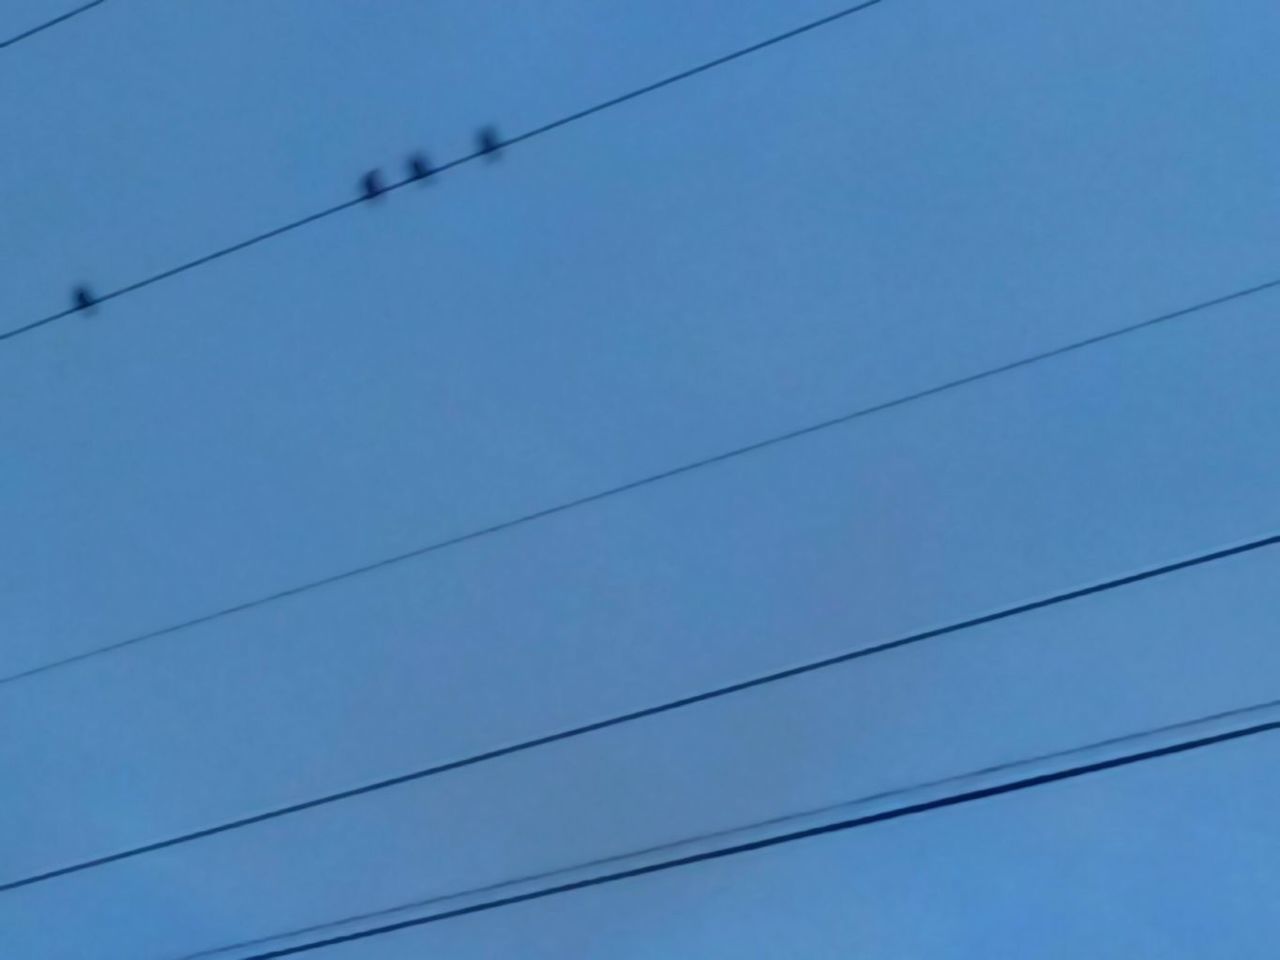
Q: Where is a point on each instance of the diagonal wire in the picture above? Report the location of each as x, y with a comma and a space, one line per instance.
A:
519, 138
39, 28
1009, 766
840, 826
650, 711
633, 485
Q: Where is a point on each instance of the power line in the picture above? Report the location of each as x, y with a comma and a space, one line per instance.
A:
777, 821
632, 485
650, 711
50, 23
481, 152
840, 826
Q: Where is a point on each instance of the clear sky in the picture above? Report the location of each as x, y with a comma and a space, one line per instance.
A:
913, 194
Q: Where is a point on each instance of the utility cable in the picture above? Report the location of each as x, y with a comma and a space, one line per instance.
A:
633, 485
40, 28
1012, 766
650, 711
840, 826
86, 300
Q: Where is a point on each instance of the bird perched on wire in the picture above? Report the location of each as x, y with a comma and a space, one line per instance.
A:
82, 297
419, 166
371, 184
488, 142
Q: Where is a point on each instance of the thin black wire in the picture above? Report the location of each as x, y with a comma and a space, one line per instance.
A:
610, 492
897, 813
50, 23
880, 797
650, 711
519, 138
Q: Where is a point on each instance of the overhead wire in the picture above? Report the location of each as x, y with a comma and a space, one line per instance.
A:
468, 158
794, 836
632, 485
1024, 763
41, 27
650, 711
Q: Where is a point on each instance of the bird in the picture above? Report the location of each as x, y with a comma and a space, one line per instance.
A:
83, 297
371, 184
488, 142
419, 166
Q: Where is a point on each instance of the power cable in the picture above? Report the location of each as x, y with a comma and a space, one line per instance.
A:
840, 826
651, 711
85, 300
40, 28
630, 486
737, 831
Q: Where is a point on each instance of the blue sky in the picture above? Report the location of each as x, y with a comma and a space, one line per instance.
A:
911, 195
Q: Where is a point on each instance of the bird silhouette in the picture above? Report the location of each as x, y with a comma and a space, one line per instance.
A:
371, 184
488, 142
419, 166
83, 297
